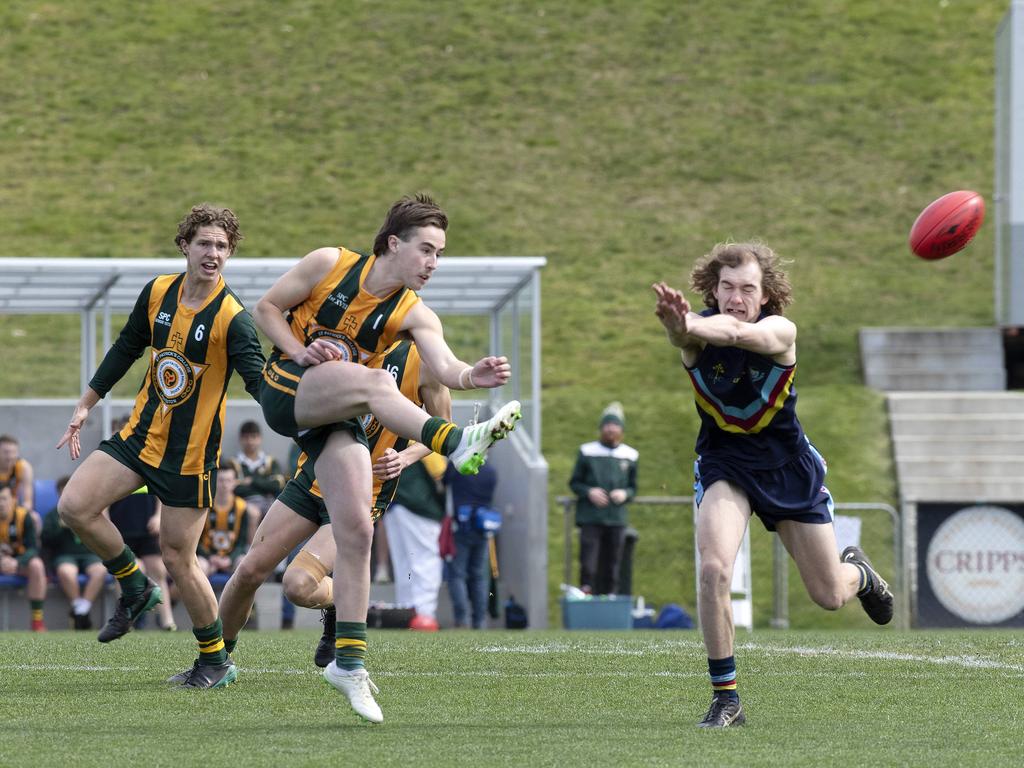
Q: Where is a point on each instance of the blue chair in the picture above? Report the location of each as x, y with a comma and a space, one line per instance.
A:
45, 495
218, 580
83, 579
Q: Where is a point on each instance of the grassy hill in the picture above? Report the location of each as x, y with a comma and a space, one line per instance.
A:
618, 139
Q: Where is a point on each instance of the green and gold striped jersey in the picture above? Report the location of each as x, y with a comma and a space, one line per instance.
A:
178, 419
225, 530
18, 535
15, 477
342, 311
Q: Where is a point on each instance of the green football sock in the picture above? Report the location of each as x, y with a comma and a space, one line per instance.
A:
441, 435
125, 569
350, 644
211, 643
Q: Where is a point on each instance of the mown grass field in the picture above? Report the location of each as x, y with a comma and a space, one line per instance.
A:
852, 698
618, 139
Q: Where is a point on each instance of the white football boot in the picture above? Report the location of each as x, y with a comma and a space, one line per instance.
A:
471, 452
358, 687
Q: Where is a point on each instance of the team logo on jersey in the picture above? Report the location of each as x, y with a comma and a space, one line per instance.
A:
175, 377
339, 299
349, 350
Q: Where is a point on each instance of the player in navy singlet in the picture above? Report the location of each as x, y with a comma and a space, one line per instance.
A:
753, 455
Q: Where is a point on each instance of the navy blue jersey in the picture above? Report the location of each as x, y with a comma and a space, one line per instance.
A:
747, 407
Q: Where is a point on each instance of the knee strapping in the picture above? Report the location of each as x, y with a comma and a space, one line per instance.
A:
310, 565
304, 561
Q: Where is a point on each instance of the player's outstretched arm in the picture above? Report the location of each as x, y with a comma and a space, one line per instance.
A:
135, 336
72, 435
772, 336
425, 328
244, 352
673, 310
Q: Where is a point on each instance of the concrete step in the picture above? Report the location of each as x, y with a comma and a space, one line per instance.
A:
873, 340
960, 403
953, 489
933, 359
903, 380
947, 427
963, 467
929, 360
914, 447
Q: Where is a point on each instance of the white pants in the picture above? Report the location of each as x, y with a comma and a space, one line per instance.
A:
415, 559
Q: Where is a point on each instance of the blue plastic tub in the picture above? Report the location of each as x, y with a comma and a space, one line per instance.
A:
598, 613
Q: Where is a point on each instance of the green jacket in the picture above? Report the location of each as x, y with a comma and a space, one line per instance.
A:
59, 539
262, 477
598, 466
417, 491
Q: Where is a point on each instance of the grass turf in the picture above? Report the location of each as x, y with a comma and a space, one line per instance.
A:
852, 698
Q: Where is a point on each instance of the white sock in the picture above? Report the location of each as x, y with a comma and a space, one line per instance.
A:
81, 606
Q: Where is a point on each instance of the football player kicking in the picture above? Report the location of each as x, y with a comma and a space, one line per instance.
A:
299, 513
329, 315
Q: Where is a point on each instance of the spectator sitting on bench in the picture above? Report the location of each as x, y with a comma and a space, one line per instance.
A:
226, 533
69, 557
16, 473
19, 552
261, 477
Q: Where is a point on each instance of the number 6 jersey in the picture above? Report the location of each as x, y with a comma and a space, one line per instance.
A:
178, 419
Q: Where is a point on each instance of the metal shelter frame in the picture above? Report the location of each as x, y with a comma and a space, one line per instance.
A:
99, 287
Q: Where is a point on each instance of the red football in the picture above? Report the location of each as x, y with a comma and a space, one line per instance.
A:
947, 225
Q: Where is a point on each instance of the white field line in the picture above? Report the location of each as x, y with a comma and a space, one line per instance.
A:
959, 660
966, 661
243, 671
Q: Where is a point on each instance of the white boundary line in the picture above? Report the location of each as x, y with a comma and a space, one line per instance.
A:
244, 671
965, 661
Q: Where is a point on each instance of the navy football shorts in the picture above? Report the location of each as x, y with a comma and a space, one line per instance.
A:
795, 491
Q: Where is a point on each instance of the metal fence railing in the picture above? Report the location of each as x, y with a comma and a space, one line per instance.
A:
780, 566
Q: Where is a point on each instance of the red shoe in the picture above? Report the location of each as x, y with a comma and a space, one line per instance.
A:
423, 623
38, 626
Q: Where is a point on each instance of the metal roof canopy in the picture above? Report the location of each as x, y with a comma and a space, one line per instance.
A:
90, 286
464, 285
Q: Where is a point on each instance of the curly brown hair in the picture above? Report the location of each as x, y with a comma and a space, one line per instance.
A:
774, 283
406, 214
206, 215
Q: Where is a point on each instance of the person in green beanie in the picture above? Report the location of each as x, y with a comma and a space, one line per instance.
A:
604, 481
